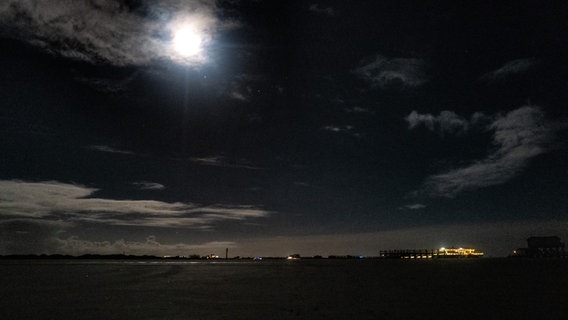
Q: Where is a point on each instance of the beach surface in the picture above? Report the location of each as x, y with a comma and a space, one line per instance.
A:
302, 289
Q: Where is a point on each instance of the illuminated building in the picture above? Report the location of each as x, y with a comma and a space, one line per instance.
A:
458, 252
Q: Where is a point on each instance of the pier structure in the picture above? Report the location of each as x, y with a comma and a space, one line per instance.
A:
408, 254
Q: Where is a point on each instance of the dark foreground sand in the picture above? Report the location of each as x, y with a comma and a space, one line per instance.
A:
305, 289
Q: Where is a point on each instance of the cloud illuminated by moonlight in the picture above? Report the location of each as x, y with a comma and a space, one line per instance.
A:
110, 31
75, 203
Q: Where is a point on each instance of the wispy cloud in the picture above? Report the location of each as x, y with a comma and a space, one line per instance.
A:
75, 203
215, 161
519, 136
384, 72
346, 129
447, 122
219, 161
318, 9
246, 86
511, 68
102, 148
108, 31
108, 85
237, 95
147, 185
338, 128
415, 206
358, 110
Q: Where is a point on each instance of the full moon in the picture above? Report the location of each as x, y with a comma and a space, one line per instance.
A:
187, 41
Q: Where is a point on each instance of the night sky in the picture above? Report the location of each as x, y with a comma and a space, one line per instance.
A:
280, 127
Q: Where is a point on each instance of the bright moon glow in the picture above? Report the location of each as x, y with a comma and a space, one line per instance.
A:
187, 42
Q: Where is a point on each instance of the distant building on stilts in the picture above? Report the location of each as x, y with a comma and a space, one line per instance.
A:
542, 247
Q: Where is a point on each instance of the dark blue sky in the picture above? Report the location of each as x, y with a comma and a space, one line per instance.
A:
299, 127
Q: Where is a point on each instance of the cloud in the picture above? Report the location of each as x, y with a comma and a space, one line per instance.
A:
316, 8
416, 206
146, 185
237, 95
24, 236
74, 203
219, 161
338, 129
108, 31
151, 246
384, 72
519, 136
510, 68
447, 122
357, 110
108, 85
102, 148
346, 129
248, 86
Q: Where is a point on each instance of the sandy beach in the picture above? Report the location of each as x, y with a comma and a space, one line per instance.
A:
304, 289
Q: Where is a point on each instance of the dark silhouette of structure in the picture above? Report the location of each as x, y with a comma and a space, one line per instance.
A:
545, 246
542, 247
408, 254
